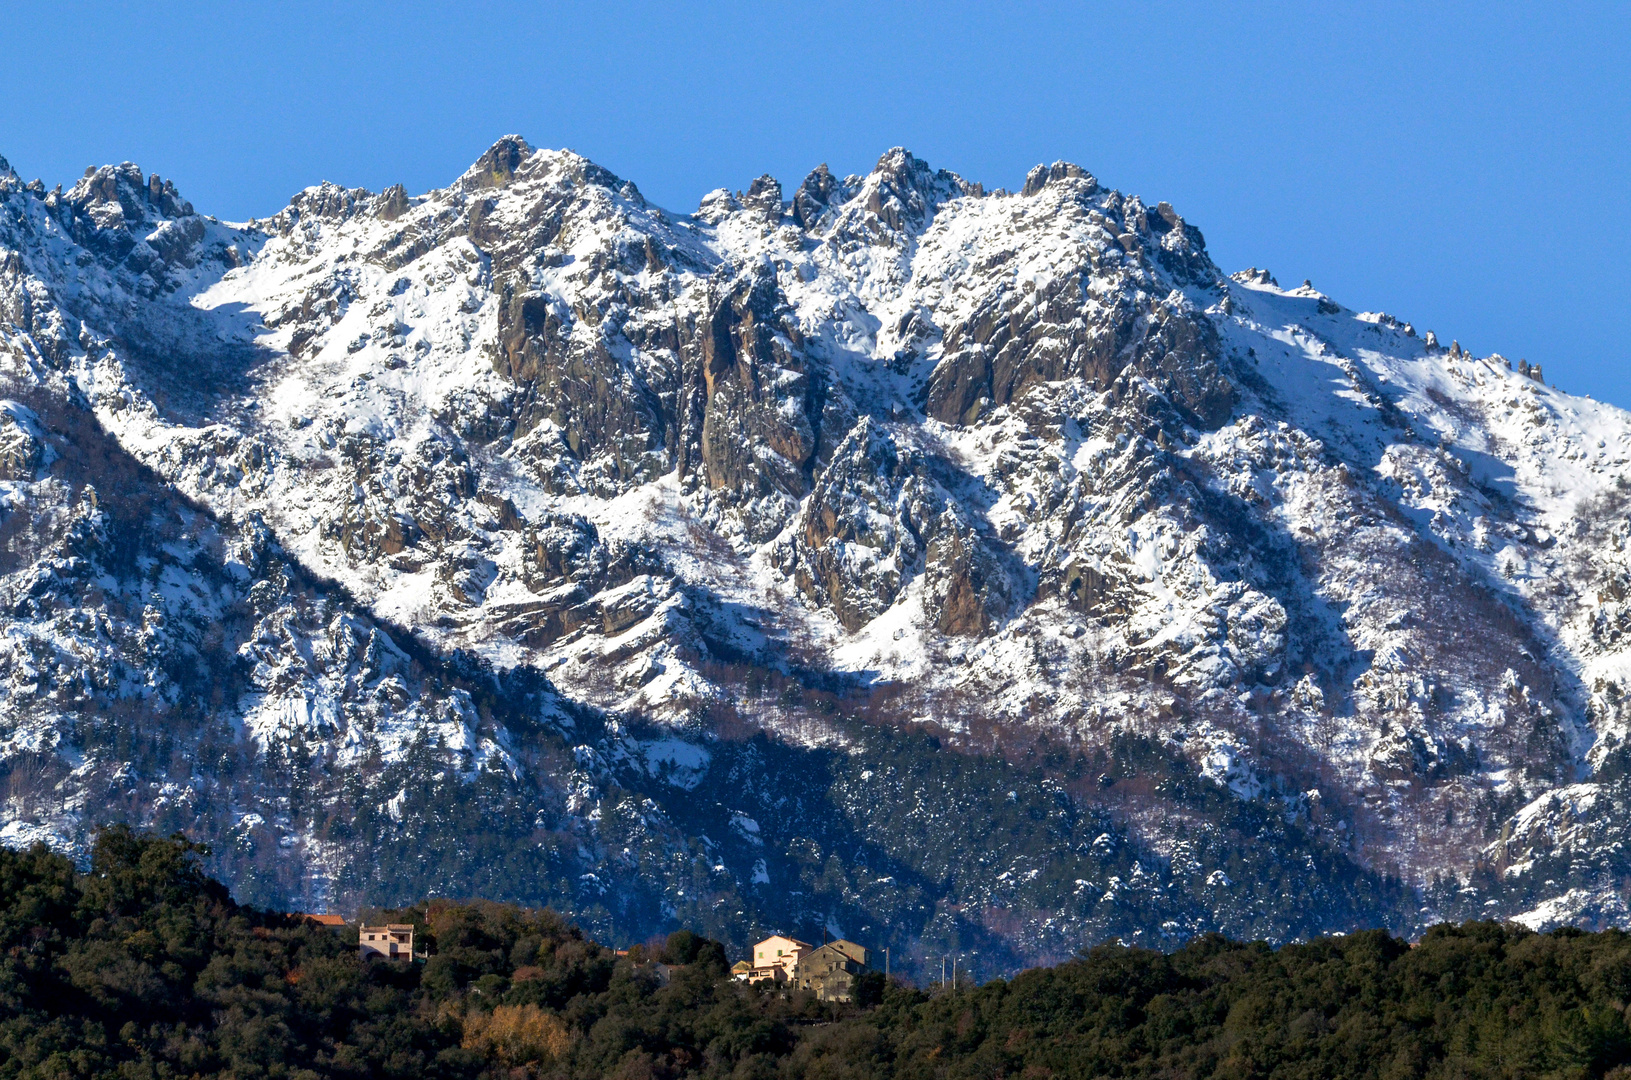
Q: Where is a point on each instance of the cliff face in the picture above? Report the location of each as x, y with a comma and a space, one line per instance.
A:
941, 566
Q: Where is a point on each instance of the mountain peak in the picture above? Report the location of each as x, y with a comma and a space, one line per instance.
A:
1059, 172
899, 167
498, 164
904, 191
137, 198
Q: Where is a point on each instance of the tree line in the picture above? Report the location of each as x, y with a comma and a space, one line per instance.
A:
143, 967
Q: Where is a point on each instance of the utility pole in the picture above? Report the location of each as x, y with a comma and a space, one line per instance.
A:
954, 974
886, 963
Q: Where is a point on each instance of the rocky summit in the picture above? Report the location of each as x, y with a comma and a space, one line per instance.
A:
950, 570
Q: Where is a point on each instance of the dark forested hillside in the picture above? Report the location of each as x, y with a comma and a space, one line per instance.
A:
143, 967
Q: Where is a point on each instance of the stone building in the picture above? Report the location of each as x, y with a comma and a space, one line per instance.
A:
831, 970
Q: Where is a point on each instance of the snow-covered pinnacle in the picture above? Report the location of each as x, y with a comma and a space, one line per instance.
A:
495, 168
1059, 172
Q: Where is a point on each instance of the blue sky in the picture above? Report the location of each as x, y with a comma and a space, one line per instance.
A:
1465, 168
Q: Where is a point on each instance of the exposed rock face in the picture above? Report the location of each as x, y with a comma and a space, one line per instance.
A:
964, 583
21, 442
469, 541
860, 536
814, 198
759, 426
874, 522
1104, 311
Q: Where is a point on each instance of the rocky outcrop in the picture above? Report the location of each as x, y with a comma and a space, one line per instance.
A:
903, 192
760, 424
813, 202
875, 522
966, 588
498, 165
858, 540
569, 379
1103, 313
21, 442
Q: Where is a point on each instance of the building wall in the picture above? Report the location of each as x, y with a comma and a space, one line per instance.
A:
779, 952
393, 942
830, 971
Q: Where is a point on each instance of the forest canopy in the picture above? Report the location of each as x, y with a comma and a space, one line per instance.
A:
143, 967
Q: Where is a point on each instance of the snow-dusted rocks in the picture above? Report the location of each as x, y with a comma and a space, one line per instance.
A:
22, 443
526, 510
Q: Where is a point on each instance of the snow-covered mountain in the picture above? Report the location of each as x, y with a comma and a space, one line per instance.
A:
947, 568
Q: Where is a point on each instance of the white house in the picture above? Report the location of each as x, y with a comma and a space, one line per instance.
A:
777, 958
